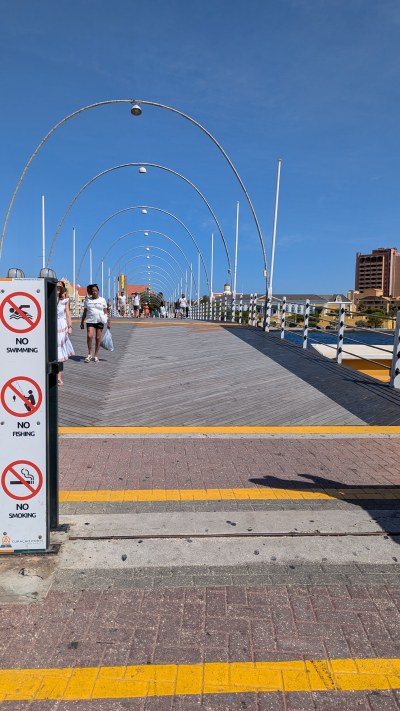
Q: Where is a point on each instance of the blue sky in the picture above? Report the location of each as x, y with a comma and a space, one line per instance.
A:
315, 83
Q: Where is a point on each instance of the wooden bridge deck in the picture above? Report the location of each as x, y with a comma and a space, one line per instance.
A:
192, 373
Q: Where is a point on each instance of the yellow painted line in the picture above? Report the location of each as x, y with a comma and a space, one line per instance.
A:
138, 495
126, 682
240, 429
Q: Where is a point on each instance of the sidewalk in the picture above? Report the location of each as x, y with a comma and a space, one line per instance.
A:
117, 626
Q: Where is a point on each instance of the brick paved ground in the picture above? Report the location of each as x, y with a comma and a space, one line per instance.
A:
258, 613
115, 463
192, 625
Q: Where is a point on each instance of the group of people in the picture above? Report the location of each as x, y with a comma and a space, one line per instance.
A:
137, 310
96, 314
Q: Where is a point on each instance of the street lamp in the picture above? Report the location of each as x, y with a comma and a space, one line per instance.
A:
142, 169
136, 110
177, 272
150, 207
160, 234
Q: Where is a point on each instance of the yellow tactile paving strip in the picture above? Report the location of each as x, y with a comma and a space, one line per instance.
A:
68, 684
232, 430
137, 495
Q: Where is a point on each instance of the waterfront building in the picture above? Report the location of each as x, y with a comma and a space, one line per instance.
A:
379, 270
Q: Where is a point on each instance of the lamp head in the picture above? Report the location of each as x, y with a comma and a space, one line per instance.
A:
136, 110
142, 169
144, 212
15, 273
47, 273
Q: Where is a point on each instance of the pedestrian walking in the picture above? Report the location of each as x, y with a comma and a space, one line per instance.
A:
64, 329
136, 305
182, 306
122, 303
96, 316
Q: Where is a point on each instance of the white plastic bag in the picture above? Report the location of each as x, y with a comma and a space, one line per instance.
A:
107, 342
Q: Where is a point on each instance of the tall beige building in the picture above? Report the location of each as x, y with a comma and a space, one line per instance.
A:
379, 270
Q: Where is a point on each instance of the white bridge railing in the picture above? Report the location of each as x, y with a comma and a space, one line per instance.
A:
306, 318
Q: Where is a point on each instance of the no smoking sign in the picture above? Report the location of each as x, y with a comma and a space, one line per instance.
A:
21, 480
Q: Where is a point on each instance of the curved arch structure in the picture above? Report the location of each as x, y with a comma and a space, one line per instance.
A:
167, 279
159, 272
161, 234
143, 207
179, 275
145, 103
156, 256
130, 165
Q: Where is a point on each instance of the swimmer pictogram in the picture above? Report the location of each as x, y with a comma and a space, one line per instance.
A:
20, 312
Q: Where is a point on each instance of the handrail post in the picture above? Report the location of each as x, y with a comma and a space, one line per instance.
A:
240, 308
233, 308
339, 347
255, 310
283, 317
250, 321
306, 317
395, 370
268, 313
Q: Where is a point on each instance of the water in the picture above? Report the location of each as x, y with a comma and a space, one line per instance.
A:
372, 337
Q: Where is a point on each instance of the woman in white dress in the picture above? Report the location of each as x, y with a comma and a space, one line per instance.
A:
64, 328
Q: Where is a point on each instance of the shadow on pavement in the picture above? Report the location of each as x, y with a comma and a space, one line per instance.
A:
370, 400
375, 508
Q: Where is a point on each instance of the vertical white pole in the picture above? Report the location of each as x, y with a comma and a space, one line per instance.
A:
236, 251
268, 302
90, 266
212, 266
191, 287
395, 369
271, 268
43, 236
198, 280
102, 277
109, 278
186, 284
74, 268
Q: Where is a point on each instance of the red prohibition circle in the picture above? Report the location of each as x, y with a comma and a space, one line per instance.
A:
9, 384
31, 325
32, 493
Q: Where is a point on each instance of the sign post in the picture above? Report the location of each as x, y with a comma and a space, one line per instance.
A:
28, 440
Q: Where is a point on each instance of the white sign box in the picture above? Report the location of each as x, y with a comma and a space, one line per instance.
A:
23, 426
